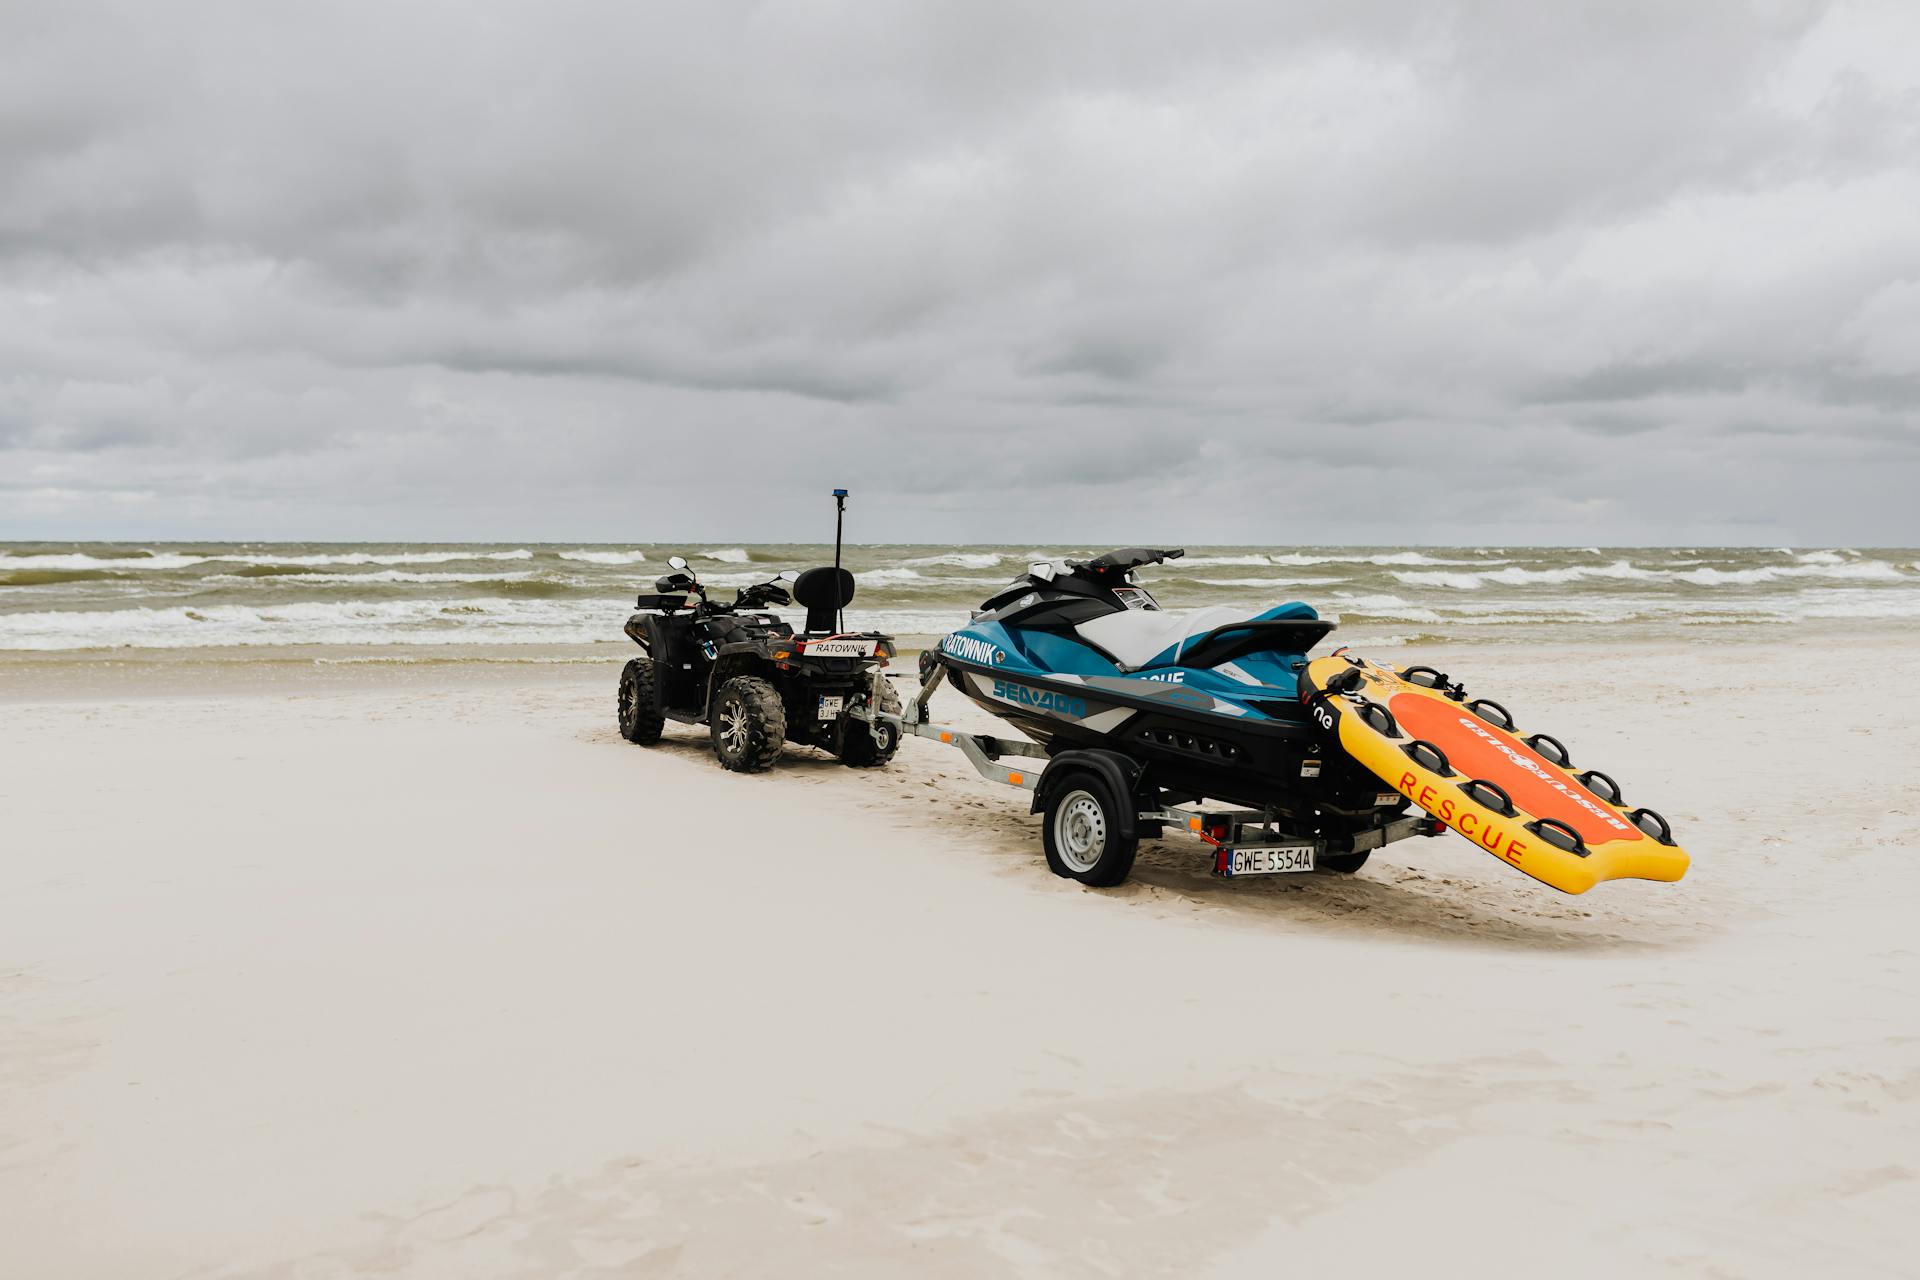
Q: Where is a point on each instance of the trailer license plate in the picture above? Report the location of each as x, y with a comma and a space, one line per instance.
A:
1271, 860
831, 707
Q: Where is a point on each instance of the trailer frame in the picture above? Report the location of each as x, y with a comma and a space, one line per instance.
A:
1229, 831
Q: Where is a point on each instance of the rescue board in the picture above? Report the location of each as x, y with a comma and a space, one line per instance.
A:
1465, 762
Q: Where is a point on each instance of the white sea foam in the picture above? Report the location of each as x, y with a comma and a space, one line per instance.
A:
383, 575
1270, 583
1518, 577
1384, 559
81, 560
727, 555
351, 558
891, 577
1193, 562
959, 560
605, 557
473, 621
1867, 570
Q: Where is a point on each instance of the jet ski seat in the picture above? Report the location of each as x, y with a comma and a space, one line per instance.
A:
1137, 637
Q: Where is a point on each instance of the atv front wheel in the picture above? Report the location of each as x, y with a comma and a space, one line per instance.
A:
637, 708
749, 725
858, 745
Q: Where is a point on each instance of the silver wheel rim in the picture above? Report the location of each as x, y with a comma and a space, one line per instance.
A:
627, 701
733, 725
1080, 831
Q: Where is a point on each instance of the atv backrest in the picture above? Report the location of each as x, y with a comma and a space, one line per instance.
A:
823, 594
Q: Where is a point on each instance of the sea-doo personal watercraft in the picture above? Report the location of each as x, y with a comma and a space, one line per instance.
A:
1139, 710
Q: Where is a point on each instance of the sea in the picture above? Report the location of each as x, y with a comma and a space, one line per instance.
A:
523, 598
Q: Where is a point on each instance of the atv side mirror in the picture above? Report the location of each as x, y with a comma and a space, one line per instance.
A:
676, 562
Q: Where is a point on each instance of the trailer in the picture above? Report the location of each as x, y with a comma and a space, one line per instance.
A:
1090, 796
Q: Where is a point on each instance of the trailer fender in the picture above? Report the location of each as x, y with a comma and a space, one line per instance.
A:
1120, 772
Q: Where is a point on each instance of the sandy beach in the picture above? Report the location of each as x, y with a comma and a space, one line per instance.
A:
410, 969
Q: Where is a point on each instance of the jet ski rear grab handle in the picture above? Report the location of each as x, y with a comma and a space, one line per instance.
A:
985, 752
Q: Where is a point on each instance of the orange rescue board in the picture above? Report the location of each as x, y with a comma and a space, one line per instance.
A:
1441, 750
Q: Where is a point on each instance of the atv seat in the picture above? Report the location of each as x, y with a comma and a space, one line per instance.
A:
1142, 638
823, 593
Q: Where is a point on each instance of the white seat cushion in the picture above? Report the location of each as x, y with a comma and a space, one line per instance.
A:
1138, 636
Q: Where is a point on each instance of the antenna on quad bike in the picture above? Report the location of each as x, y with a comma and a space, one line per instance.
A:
839, 522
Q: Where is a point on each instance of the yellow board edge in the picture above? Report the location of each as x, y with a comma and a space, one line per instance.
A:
1504, 838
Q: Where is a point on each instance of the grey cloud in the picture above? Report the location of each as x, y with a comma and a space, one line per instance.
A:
1234, 271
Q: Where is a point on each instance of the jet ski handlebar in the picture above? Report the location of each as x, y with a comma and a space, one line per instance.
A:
1125, 560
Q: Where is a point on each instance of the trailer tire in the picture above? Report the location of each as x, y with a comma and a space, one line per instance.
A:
638, 708
1344, 863
858, 747
1087, 834
749, 725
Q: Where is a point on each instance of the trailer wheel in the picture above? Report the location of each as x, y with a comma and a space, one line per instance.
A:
1082, 831
749, 725
637, 708
1344, 863
858, 745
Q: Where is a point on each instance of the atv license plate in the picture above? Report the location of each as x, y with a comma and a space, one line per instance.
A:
831, 707
1270, 860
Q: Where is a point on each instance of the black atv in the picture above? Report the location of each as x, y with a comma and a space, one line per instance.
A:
748, 677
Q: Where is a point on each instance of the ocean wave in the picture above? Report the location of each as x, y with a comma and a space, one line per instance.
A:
1621, 570
80, 560
1518, 577
1383, 560
1856, 570
1218, 562
1269, 582
528, 581
890, 577
495, 620
727, 555
1384, 613
349, 559
54, 577
605, 557
1370, 603
959, 560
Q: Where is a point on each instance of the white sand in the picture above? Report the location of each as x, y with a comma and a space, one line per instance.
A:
435, 977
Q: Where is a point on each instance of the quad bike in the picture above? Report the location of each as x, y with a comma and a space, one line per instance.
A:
751, 679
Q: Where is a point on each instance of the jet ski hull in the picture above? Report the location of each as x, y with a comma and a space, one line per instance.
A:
1190, 741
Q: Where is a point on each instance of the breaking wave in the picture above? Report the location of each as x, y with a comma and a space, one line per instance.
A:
605, 557
98, 595
80, 561
54, 577
960, 560
1621, 570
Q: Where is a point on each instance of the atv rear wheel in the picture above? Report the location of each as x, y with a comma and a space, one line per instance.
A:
1081, 831
749, 725
637, 708
858, 746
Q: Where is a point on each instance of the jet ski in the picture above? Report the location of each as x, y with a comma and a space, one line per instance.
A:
1143, 709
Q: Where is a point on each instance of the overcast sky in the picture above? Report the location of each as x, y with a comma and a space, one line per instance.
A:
1203, 272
